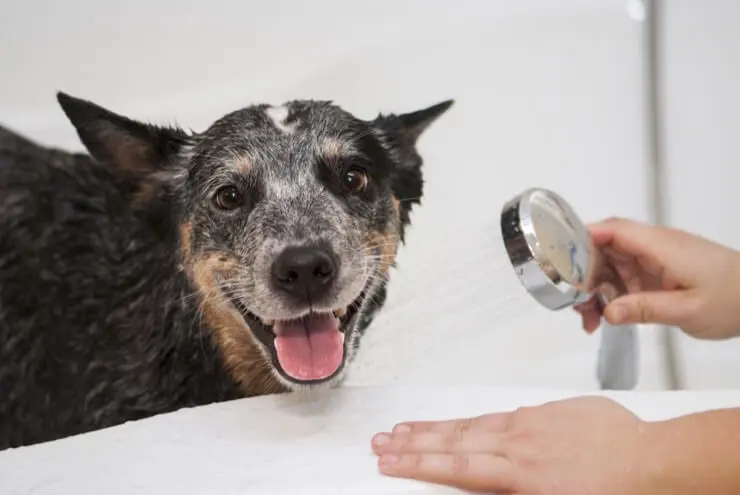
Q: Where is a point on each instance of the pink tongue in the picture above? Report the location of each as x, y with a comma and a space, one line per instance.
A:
310, 349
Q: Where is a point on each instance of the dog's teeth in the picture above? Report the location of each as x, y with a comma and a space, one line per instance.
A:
340, 312
269, 322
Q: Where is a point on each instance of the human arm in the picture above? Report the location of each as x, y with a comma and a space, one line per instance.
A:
696, 453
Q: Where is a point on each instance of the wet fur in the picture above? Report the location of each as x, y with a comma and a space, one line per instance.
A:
110, 303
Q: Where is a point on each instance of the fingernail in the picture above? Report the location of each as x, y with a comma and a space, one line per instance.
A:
382, 439
387, 461
402, 429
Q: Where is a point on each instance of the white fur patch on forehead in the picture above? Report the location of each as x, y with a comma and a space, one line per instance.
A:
278, 116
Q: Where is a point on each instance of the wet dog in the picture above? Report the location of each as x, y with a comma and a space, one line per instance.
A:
167, 269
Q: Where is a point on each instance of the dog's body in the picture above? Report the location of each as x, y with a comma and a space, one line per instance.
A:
97, 324
167, 270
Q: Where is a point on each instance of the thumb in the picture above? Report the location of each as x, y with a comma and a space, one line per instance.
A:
663, 307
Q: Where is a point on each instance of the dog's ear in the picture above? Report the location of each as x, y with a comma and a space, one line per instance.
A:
399, 134
413, 124
137, 149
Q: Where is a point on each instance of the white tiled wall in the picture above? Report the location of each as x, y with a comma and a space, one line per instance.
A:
548, 94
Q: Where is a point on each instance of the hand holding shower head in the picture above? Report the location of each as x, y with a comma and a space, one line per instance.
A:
557, 262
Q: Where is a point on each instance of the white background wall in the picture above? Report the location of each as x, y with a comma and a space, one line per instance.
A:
548, 94
701, 147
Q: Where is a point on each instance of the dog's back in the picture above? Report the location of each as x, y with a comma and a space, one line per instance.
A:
90, 301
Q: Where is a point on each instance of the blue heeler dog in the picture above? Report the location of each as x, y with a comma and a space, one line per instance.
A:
168, 269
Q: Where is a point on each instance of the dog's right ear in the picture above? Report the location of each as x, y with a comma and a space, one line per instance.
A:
136, 148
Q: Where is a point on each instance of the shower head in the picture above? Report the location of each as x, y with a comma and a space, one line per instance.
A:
551, 249
557, 262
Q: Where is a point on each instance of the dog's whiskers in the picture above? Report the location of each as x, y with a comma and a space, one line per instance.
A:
410, 198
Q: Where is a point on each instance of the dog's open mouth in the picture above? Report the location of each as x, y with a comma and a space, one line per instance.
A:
309, 349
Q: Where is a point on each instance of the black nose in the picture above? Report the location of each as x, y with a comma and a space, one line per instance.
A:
304, 272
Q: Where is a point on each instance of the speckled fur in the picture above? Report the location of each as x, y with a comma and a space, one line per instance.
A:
107, 259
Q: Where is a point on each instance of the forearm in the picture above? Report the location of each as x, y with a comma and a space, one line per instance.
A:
697, 453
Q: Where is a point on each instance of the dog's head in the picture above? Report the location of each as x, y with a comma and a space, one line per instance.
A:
289, 218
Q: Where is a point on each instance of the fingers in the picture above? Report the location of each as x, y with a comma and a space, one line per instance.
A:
464, 453
461, 441
668, 308
628, 236
486, 422
477, 472
591, 314
591, 321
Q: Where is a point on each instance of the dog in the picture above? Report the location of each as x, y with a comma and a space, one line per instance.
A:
166, 268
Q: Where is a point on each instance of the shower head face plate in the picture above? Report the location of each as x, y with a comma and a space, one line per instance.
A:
549, 247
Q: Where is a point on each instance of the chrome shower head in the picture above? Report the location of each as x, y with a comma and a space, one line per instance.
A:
551, 249
557, 262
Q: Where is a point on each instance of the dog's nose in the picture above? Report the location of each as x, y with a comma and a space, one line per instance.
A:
304, 272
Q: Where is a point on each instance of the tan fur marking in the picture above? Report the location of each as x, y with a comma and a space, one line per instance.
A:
235, 340
332, 150
243, 164
186, 232
387, 242
396, 206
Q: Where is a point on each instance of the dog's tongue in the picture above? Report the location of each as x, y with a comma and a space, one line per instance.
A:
310, 349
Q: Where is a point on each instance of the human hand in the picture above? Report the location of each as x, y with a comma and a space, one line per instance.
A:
575, 446
672, 277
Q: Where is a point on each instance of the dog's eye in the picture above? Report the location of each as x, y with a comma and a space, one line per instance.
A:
228, 198
354, 180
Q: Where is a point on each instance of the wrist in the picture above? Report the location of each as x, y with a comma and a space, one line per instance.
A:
690, 454
735, 329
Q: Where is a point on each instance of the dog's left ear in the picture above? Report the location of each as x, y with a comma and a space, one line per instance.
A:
399, 134
136, 149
